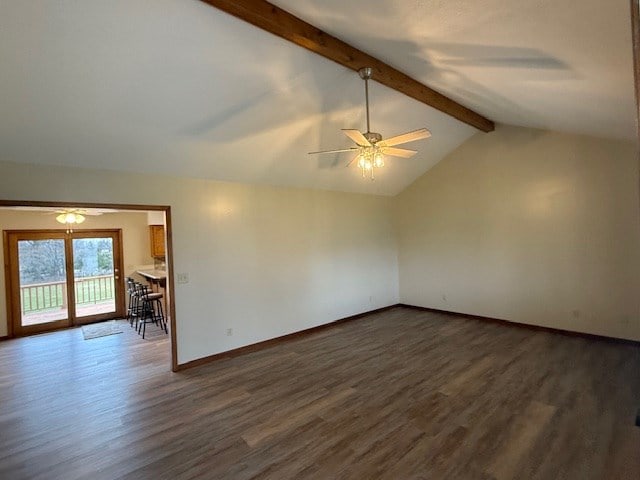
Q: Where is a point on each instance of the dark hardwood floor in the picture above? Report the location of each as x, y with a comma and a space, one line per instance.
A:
401, 394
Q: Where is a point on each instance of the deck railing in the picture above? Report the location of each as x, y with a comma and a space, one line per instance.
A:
44, 296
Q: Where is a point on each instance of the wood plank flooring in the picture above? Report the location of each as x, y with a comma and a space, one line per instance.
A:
401, 394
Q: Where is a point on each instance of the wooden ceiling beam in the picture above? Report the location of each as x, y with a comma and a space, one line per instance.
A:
279, 22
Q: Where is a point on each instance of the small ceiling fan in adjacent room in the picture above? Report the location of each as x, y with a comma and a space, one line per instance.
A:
74, 216
370, 147
67, 216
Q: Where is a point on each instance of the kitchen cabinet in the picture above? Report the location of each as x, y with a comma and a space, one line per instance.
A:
156, 234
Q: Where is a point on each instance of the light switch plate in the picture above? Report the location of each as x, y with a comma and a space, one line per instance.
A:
182, 278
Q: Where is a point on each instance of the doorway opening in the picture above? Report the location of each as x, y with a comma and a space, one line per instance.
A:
56, 278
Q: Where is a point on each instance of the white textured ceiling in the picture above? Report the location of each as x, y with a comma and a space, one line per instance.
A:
563, 65
178, 87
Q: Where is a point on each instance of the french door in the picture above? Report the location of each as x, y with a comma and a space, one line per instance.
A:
58, 279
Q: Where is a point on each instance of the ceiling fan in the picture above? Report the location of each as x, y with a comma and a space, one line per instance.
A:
73, 216
67, 216
371, 147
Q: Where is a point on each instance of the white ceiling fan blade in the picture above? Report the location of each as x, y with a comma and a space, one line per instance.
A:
357, 136
399, 152
82, 211
352, 160
406, 137
351, 149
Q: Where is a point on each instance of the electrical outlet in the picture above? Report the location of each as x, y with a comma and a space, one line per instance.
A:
229, 332
182, 278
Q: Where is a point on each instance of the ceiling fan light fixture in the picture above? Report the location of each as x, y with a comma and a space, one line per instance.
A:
369, 159
70, 218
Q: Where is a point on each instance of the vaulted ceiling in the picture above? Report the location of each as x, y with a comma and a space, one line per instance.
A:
178, 87
562, 65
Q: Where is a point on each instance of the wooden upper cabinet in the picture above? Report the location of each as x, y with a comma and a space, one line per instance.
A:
156, 233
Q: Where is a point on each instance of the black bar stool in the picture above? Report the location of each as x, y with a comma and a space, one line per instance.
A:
151, 309
134, 307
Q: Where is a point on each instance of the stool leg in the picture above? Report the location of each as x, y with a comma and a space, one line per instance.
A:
163, 323
143, 320
134, 313
142, 317
132, 309
148, 316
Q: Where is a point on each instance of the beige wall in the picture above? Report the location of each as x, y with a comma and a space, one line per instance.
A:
529, 226
262, 261
135, 239
524, 225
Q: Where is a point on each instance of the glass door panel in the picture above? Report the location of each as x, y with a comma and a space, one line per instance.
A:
94, 276
43, 281
59, 279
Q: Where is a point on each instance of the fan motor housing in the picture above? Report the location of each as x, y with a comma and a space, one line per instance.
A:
373, 137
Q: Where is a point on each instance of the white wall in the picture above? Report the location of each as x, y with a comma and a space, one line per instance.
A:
523, 225
263, 261
135, 239
530, 226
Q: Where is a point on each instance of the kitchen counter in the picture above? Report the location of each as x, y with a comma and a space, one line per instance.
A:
157, 278
153, 275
